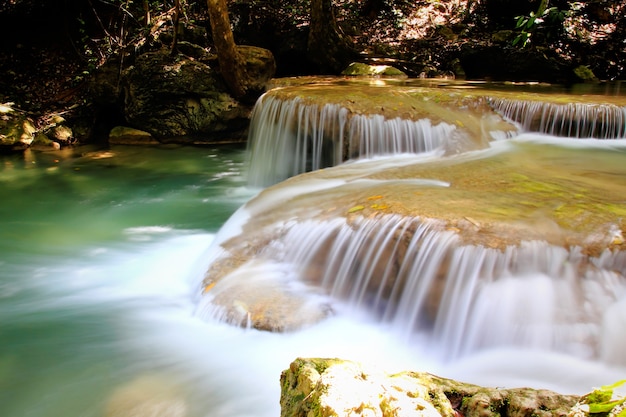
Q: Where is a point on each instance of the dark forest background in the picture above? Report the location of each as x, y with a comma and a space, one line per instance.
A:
49, 50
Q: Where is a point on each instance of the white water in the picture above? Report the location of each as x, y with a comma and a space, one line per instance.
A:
532, 316
209, 368
291, 137
535, 315
574, 120
212, 369
536, 296
85, 325
138, 336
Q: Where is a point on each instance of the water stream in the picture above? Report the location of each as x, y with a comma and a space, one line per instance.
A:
101, 256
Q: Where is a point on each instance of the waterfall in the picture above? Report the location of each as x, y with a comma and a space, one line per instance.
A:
421, 280
576, 120
502, 248
289, 137
292, 135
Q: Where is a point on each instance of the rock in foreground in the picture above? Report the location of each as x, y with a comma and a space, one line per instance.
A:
334, 387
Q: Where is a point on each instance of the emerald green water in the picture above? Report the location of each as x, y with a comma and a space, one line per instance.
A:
91, 243
58, 201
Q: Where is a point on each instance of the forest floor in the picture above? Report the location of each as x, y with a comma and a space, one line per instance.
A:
43, 78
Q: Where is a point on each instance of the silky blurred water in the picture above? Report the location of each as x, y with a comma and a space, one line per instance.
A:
101, 253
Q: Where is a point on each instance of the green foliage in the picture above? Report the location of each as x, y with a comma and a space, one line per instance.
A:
548, 17
602, 402
585, 73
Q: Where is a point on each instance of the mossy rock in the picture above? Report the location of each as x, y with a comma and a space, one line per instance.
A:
123, 135
585, 74
179, 99
43, 143
17, 130
359, 68
318, 387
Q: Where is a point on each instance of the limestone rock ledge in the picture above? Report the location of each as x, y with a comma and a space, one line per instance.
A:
317, 387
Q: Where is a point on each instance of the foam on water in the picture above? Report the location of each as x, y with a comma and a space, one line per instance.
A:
226, 371
246, 364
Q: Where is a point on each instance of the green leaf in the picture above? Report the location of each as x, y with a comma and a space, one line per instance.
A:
551, 10
613, 386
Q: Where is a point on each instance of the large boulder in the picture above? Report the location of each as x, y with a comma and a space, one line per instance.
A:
179, 97
333, 387
260, 69
122, 135
16, 129
183, 98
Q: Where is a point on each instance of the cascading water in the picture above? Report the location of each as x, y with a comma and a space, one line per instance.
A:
551, 298
102, 254
293, 136
576, 120
290, 138
423, 281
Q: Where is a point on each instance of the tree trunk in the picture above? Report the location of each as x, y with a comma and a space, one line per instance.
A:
176, 28
327, 46
230, 61
146, 11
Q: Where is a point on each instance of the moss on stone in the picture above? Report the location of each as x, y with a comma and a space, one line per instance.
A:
359, 68
348, 388
584, 73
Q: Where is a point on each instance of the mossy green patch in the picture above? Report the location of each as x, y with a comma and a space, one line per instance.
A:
359, 68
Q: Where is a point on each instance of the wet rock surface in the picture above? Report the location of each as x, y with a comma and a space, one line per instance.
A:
263, 300
507, 204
